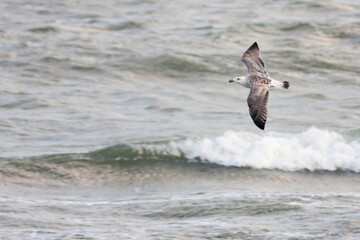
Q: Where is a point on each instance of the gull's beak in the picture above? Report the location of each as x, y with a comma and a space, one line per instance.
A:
231, 80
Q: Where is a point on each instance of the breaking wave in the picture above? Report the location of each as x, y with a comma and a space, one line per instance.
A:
313, 149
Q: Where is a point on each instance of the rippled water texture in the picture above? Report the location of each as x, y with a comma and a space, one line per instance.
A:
117, 120
79, 76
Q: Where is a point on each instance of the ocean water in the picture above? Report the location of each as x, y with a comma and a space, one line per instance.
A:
117, 120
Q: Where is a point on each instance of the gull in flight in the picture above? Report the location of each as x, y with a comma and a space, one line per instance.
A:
259, 82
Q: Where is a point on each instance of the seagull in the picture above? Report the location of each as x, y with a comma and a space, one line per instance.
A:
259, 82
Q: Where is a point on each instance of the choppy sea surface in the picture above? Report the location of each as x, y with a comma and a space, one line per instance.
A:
117, 120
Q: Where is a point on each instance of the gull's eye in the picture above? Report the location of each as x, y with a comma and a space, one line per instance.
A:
238, 79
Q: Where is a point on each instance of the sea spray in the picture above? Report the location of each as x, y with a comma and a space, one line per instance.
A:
313, 149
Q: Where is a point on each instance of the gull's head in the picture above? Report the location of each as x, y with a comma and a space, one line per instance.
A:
237, 80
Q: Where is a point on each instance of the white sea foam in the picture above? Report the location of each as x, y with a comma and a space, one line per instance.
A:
314, 149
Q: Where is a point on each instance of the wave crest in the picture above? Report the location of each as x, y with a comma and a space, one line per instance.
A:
314, 149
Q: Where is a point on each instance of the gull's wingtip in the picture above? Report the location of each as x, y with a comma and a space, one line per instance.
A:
260, 124
254, 46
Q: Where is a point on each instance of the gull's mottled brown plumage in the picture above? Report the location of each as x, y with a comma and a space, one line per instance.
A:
259, 82
257, 102
259, 85
251, 58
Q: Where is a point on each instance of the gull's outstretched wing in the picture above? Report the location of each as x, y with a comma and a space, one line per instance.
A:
251, 58
257, 101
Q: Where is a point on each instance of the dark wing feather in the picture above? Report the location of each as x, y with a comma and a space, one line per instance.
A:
251, 58
257, 101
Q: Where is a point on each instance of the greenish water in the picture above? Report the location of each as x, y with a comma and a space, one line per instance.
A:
117, 120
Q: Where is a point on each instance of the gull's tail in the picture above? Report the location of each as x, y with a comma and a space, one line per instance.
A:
286, 84
280, 84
